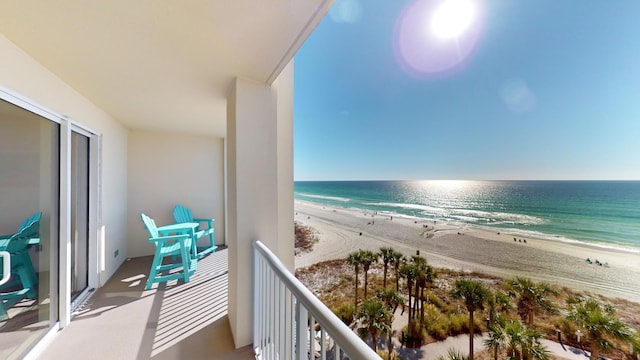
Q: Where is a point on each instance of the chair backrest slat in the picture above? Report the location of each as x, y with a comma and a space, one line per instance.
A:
150, 225
31, 219
182, 214
19, 241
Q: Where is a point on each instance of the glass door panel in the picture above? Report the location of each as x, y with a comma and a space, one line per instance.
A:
29, 224
79, 214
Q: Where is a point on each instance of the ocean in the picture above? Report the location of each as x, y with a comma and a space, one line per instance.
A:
601, 213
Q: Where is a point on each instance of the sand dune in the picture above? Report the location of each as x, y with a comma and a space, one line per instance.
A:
471, 249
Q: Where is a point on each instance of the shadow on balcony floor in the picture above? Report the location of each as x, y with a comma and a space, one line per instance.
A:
172, 321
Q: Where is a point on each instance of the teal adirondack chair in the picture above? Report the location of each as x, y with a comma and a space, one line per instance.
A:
22, 273
168, 246
182, 214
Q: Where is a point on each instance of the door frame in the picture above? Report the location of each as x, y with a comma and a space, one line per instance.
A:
67, 306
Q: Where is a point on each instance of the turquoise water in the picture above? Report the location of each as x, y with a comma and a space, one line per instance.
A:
604, 213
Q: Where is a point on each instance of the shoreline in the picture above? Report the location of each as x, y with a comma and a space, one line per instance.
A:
471, 249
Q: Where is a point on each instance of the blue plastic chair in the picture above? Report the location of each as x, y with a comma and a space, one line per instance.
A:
168, 246
182, 214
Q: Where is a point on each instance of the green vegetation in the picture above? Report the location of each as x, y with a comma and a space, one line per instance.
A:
453, 354
516, 313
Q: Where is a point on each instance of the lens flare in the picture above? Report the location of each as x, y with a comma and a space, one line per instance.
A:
433, 39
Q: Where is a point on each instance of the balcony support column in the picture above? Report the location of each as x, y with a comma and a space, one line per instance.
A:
259, 186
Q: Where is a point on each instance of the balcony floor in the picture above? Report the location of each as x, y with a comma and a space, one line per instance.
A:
174, 321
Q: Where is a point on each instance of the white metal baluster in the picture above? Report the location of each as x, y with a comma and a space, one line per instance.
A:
294, 339
272, 317
265, 312
336, 350
301, 324
257, 341
278, 305
256, 287
261, 307
291, 325
285, 322
312, 338
323, 345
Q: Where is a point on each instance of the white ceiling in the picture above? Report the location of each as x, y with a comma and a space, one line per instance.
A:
162, 65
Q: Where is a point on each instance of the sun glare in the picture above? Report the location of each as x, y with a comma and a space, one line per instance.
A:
449, 31
452, 18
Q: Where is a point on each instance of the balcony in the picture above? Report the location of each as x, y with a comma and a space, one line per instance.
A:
189, 321
123, 321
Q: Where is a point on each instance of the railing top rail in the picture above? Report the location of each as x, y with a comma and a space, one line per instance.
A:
348, 340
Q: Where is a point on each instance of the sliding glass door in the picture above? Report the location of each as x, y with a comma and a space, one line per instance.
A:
29, 224
48, 213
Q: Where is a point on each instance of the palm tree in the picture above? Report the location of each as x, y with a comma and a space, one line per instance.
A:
532, 297
496, 339
424, 277
375, 318
600, 323
408, 272
519, 341
392, 300
386, 254
497, 303
398, 259
367, 258
474, 295
354, 259
421, 269
523, 342
515, 332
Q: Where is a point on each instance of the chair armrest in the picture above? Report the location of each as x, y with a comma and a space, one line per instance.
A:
203, 220
172, 229
170, 237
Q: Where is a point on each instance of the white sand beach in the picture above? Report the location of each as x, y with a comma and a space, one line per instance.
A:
341, 231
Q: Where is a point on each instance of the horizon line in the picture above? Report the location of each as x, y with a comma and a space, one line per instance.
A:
619, 180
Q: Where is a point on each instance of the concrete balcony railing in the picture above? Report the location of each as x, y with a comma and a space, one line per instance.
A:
291, 323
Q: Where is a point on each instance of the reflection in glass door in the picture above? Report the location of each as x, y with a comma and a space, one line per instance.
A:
79, 214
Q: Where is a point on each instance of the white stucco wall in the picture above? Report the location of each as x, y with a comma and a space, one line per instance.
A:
169, 169
25, 76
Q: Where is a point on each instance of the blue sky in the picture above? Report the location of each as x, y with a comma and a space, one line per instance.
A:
535, 89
